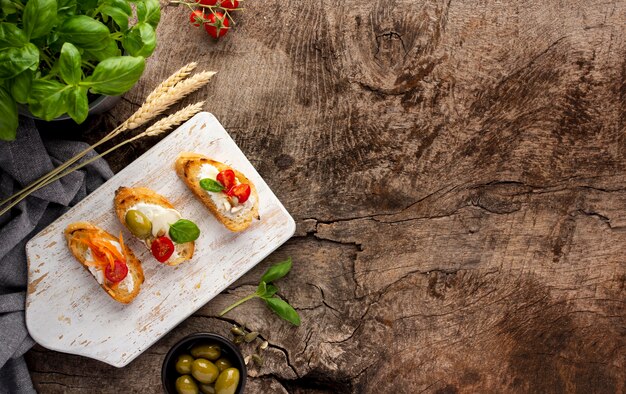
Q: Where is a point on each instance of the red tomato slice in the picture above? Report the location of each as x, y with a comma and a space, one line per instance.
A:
118, 273
162, 249
241, 191
226, 178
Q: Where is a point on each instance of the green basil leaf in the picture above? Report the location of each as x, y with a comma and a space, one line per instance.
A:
69, 64
115, 75
277, 271
8, 116
84, 32
77, 104
140, 40
39, 17
7, 8
261, 289
15, 60
12, 36
184, 231
211, 185
66, 8
149, 11
20, 86
284, 310
87, 5
47, 99
118, 10
270, 290
109, 50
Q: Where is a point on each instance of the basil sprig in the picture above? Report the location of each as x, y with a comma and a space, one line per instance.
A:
211, 185
184, 231
267, 292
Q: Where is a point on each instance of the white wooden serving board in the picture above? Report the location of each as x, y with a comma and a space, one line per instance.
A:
67, 311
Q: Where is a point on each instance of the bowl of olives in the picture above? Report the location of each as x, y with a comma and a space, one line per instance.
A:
204, 363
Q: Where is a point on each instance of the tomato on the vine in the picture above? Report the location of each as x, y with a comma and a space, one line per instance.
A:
229, 4
241, 191
207, 2
197, 17
117, 273
162, 249
217, 26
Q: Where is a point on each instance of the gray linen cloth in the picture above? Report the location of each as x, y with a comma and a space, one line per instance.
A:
21, 162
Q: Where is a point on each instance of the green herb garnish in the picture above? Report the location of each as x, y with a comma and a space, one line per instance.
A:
267, 292
211, 185
184, 231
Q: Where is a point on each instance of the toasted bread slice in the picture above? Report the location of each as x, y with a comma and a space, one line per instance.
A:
118, 292
188, 167
126, 198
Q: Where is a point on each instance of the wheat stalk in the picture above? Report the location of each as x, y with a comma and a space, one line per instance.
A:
172, 80
157, 128
161, 102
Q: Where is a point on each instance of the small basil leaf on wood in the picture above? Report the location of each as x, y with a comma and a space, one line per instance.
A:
115, 75
149, 11
8, 116
284, 310
69, 64
211, 185
277, 271
140, 40
15, 60
20, 86
270, 290
84, 32
184, 231
39, 17
261, 289
77, 104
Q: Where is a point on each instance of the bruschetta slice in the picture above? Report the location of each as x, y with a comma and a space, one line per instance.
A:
226, 192
153, 219
112, 264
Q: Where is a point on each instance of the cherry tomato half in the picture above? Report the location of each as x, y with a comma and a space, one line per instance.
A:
217, 26
162, 249
226, 178
118, 273
196, 17
229, 4
241, 191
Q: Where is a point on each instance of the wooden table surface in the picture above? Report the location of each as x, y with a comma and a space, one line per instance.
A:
457, 171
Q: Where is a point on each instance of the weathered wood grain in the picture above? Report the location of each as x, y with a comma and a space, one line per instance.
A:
457, 170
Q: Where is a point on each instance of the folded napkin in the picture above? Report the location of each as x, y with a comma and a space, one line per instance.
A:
21, 162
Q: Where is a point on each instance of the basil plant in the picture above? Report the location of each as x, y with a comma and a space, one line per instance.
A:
54, 52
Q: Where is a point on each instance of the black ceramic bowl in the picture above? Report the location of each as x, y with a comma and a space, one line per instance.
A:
229, 350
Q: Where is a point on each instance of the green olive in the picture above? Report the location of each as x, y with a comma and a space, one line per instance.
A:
183, 364
186, 385
204, 371
210, 352
223, 363
207, 388
138, 224
227, 382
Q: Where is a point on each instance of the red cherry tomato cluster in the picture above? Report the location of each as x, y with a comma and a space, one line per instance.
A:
214, 15
241, 191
